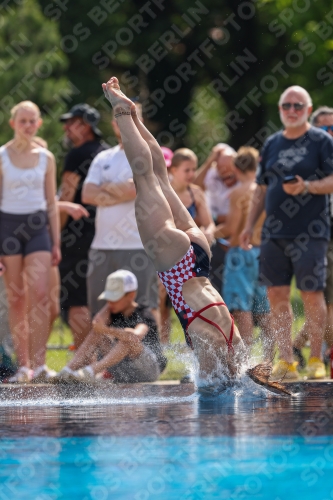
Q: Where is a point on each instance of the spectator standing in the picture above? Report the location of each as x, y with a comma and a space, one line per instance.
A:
117, 244
80, 125
242, 293
182, 173
125, 333
296, 229
216, 177
322, 118
29, 238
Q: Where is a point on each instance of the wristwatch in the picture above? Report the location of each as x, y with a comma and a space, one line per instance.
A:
306, 188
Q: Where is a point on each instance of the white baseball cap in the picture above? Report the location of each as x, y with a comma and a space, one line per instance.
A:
117, 284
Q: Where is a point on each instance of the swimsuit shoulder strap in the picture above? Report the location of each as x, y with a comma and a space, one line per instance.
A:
191, 194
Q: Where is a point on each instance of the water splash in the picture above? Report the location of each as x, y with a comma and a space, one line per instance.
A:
217, 385
102, 401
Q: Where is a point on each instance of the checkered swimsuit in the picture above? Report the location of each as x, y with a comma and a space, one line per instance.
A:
173, 280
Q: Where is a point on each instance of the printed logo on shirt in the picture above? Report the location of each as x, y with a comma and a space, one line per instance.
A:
289, 157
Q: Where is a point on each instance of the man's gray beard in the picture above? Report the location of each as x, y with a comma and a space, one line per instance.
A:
292, 125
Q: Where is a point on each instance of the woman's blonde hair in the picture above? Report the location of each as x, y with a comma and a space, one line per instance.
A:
182, 154
24, 105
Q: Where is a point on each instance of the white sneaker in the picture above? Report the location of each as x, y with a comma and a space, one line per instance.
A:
43, 374
65, 375
22, 376
85, 374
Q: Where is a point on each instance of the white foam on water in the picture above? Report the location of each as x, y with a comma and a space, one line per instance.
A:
103, 401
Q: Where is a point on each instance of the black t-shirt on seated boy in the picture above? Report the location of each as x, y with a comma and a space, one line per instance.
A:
142, 314
311, 157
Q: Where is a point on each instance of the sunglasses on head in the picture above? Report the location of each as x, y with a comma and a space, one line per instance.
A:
298, 106
327, 128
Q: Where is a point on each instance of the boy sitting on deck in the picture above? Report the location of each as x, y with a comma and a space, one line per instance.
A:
125, 333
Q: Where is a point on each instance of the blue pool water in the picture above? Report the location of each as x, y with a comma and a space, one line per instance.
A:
153, 442
166, 468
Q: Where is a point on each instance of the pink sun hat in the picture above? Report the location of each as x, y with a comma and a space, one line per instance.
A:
168, 154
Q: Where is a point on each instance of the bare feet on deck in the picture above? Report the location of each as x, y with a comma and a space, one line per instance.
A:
121, 104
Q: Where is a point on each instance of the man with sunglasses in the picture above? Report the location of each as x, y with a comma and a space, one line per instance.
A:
322, 118
295, 175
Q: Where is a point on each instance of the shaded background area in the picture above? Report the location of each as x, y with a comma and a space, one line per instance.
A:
206, 71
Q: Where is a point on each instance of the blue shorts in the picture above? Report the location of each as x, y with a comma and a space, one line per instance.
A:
305, 258
241, 289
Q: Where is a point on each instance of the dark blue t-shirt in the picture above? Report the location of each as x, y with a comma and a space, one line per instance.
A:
311, 157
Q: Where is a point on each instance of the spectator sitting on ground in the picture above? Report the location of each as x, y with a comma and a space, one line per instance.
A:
322, 118
217, 176
125, 333
241, 291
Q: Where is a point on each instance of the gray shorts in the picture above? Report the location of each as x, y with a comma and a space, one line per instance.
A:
282, 258
22, 234
145, 368
104, 262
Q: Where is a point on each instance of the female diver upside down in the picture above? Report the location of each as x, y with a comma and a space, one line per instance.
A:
181, 255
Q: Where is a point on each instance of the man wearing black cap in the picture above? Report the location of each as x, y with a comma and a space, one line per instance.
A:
80, 125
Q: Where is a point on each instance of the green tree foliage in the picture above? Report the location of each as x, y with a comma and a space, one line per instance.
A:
187, 57
32, 67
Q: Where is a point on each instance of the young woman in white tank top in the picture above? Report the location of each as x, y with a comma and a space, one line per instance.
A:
29, 238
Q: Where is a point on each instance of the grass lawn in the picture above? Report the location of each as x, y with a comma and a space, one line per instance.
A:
178, 353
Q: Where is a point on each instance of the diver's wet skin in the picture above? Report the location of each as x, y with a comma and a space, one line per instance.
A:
183, 259
121, 104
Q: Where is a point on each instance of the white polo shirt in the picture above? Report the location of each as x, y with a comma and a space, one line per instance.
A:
115, 227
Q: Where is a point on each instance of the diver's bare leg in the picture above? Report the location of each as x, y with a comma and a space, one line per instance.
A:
163, 242
182, 217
